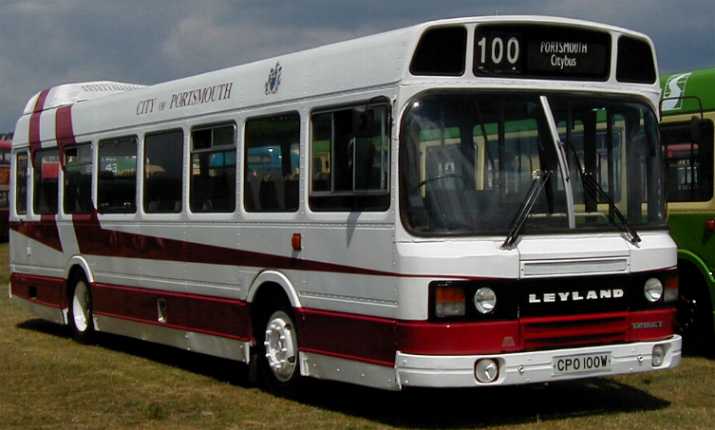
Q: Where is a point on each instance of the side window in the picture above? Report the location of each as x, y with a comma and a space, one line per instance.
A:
350, 159
78, 179
21, 183
46, 173
213, 169
116, 185
689, 164
163, 166
272, 163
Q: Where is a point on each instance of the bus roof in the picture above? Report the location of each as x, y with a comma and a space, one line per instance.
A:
369, 62
696, 83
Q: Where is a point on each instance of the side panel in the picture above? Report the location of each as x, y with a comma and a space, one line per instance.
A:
214, 316
687, 222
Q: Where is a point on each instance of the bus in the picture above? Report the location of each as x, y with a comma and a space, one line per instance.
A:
688, 112
461, 203
5, 151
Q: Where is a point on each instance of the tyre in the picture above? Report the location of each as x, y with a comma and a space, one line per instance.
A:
278, 353
694, 315
80, 311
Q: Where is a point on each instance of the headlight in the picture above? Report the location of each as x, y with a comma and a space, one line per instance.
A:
485, 300
653, 290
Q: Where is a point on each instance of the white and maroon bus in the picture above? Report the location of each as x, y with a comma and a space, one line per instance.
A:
466, 202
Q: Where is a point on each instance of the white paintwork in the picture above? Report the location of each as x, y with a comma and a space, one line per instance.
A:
354, 372
529, 367
345, 73
68, 94
78, 260
41, 311
277, 278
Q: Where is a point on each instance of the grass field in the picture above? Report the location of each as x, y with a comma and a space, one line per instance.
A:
49, 381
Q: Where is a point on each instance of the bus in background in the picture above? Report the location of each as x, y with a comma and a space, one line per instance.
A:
5, 155
688, 112
462, 203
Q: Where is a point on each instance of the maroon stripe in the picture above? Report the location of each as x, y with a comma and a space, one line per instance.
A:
459, 338
34, 135
40, 102
355, 337
376, 340
48, 291
44, 231
368, 339
64, 132
93, 239
216, 316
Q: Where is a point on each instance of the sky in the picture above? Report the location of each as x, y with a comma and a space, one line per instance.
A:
46, 43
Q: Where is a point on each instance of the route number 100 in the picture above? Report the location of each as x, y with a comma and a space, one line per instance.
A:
498, 49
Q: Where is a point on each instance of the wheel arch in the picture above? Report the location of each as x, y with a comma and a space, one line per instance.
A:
78, 263
690, 261
272, 277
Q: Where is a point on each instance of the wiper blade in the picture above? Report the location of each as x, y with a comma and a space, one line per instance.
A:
588, 181
517, 224
595, 188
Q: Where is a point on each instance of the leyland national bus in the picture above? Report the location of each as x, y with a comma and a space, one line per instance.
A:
688, 107
466, 202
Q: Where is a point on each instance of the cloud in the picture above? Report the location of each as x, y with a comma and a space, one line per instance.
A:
44, 43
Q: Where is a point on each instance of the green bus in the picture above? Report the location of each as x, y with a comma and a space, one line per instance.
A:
688, 111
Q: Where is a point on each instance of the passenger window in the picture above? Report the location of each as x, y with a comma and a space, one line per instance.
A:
163, 167
46, 172
272, 163
350, 153
116, 185
78, 179
213, 169
21, 183
689, 164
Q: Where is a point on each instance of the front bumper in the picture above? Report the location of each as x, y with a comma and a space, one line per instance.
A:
530, 367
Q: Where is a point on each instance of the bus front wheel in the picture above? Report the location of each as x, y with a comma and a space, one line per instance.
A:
279, 352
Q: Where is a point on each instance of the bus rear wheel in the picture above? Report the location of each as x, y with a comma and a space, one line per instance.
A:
280, 369
80, 311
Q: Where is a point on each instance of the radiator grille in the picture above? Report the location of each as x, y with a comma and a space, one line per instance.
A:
582, 330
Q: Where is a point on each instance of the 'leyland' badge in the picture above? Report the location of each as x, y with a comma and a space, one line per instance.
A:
274, 79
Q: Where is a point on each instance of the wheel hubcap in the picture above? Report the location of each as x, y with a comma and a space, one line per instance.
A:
80, 307
281, 346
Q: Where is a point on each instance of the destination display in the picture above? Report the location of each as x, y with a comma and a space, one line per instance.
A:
539, 51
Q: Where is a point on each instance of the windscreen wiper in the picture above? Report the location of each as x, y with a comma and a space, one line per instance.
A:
517, 224
595, 189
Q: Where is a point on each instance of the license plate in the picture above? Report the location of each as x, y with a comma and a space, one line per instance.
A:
582, 363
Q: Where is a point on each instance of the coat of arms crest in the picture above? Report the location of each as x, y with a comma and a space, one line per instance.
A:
274, 80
